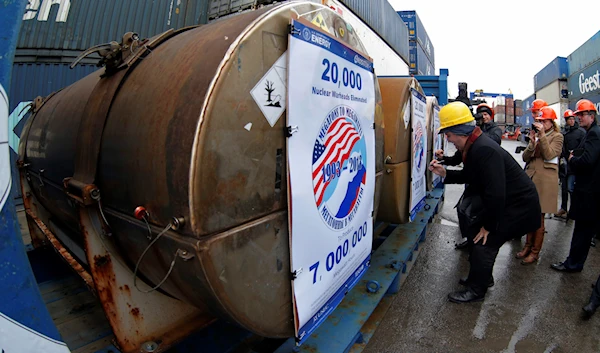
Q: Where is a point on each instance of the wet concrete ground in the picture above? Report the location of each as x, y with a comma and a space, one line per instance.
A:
530, 309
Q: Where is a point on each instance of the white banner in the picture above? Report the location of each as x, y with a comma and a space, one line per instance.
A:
331, 164
419, 150
438, 141
17, 338
5, 176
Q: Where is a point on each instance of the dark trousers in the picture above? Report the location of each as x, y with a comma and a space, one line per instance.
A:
482, 263
580, 243
564, 193
595, 297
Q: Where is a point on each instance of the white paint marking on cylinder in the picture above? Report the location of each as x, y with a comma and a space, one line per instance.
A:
248, 126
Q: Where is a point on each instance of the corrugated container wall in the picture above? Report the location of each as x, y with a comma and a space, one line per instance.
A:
382, 18
80, 24
553, 92
385, 59
417, 32
586, 82
219, 8
518, 107
526, 119
585, 55
557, 69
419, 63
32, 80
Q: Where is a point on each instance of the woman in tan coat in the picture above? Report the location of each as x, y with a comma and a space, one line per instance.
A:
541, 156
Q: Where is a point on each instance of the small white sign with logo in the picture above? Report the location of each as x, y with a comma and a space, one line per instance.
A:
270, 92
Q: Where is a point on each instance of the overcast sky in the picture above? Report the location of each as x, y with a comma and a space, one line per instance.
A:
496, 46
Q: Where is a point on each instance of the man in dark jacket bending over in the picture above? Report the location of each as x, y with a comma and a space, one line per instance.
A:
510, 201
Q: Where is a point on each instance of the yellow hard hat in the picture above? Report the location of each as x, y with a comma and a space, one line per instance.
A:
455, 113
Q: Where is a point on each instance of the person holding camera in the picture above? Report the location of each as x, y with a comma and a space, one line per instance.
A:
541, 158
585, 203
573, 136
505, 202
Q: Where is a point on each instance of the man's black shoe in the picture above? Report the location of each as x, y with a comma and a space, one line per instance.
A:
465, 282
589, 310
461, 245
560, 266
465, 296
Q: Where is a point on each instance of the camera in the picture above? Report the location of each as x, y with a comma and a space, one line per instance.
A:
478, 116
534, 128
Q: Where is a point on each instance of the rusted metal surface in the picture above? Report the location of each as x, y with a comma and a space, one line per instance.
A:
174, 143
135, 317
64, 253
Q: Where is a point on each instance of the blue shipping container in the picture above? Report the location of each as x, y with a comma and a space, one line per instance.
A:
585, 82
557, 69
419, 63
417, 32
585, 55
79, 25
382, 18
526, 119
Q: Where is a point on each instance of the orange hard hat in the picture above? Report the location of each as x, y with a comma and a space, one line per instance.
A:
568, 114
538, 104
584, 105
485, 108
546, 113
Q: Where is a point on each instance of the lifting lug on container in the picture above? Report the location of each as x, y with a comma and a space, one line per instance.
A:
113, 54
85, 194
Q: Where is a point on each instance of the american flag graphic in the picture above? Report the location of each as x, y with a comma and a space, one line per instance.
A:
339, 141
418, 145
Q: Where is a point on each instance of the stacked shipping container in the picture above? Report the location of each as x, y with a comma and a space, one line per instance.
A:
422, 55
526, 119
550, 84
504, 110
584, 72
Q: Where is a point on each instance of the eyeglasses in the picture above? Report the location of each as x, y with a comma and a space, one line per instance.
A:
584, 114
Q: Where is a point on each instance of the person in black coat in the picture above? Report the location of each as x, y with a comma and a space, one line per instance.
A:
488, 126
484, 119
585, 203
510, 203
573, 136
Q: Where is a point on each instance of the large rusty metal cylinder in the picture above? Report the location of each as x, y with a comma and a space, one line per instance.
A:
181, 140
